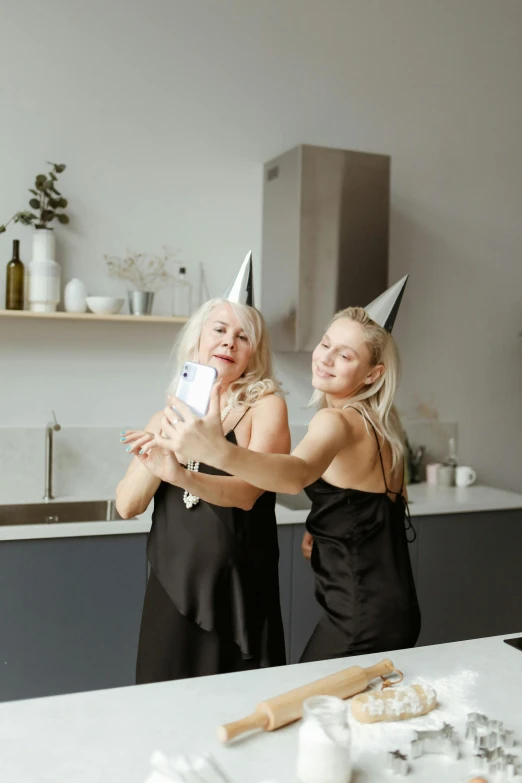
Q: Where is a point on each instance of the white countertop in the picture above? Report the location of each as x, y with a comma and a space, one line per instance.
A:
110, 735
425, 500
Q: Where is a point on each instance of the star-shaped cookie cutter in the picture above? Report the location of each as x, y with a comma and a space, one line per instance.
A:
444, 740
487, 734
497, 761
397, 763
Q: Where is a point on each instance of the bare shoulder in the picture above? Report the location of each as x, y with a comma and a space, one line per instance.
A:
269, 405
331, 420
269, 429
357, 421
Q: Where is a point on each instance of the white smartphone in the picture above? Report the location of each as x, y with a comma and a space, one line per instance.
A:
195, 387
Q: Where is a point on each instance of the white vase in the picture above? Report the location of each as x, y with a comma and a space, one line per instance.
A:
43, 273
74, 296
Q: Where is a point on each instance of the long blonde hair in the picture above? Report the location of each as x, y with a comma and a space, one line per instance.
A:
258, 378
375, 401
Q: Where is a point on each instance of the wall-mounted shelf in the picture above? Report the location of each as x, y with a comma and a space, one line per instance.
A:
151, 319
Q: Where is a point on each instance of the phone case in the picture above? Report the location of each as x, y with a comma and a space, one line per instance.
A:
195, 386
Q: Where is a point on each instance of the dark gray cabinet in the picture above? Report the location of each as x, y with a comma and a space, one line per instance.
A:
70, 608
70, 612
298, 605
469, 575
305, 609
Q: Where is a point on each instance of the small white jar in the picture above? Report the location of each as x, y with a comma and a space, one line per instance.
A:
324, 754
75, 296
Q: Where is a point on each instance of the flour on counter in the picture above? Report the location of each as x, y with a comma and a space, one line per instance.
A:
456, 699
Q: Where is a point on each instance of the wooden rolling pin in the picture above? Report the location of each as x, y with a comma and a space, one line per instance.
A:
286, 708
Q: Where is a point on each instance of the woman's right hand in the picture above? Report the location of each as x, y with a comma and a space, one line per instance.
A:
306, 545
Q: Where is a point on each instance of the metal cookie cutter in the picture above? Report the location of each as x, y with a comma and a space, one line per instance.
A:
487, 734
397, 763
497, 762
444, 740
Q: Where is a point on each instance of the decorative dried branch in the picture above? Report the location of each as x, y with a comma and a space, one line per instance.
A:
144, 271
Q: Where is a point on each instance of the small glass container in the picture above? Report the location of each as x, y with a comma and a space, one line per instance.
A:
324, 754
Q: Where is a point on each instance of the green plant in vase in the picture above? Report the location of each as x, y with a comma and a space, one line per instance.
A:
46, 201
46, 205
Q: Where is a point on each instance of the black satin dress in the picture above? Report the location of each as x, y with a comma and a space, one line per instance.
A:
212, 599
363, 575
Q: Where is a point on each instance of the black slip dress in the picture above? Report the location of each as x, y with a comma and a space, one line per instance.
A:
212, 599
363, 575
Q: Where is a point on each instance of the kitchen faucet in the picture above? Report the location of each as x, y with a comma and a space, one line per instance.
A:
52, 427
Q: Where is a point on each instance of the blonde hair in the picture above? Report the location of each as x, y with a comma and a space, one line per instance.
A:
258, 378
375, 401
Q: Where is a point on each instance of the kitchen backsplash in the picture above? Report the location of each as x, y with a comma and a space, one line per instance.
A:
434, 435
87, 461
91, 460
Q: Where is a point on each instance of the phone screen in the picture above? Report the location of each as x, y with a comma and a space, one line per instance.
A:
516, 642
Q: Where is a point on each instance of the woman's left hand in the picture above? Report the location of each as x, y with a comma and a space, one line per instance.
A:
198, 439
150, 449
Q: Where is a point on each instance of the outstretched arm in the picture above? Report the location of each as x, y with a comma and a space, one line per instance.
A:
327, 435
202, 439
269, 436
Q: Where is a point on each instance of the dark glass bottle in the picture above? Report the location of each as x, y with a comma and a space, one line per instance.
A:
14, 288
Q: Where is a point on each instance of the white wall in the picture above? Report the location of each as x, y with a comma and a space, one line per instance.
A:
164, 112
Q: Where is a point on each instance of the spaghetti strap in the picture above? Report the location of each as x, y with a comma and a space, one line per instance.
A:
408, 525
378, 449
238, 421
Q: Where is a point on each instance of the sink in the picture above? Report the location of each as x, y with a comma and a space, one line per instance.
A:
299, 502
58, 511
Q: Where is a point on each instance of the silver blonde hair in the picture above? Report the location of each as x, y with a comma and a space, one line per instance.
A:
375, 401
258, 378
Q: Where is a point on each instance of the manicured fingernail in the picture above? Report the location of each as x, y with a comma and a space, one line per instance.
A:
128, 448
140, 451
122, 433
122, 439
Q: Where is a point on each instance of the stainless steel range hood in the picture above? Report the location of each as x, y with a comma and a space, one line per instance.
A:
324, 239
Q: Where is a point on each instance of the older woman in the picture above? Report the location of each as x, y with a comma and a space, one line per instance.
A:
212, 599
351, 465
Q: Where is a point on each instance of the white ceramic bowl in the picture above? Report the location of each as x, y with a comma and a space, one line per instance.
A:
105, 305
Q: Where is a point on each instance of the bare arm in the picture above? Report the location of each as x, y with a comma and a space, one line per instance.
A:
327, 434
138, 486
269, 435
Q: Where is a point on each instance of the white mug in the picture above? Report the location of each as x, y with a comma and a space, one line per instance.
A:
465, 476
446, 476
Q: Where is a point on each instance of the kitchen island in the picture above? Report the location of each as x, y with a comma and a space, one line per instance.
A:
72, 593
110, 735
